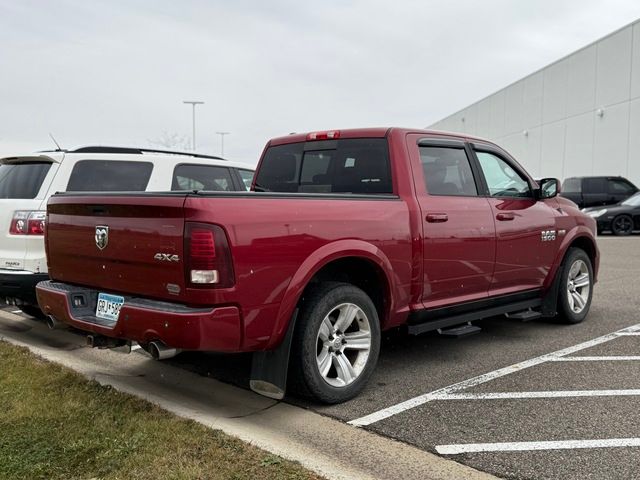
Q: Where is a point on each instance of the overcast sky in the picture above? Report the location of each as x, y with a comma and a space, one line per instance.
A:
116, 72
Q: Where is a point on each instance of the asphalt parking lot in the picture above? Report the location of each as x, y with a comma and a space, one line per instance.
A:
518, 400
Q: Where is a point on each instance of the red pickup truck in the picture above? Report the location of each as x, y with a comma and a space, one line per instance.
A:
346, 233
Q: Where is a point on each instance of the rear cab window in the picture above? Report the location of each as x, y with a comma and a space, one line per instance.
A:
22, 180
109, 176
344, 166
202, 177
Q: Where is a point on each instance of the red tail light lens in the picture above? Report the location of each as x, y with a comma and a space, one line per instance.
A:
208, 256
28, 222
203, 249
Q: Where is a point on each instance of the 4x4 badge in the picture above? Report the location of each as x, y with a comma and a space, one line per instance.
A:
102, 236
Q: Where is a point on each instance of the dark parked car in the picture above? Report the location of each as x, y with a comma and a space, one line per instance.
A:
622, 218
597, 191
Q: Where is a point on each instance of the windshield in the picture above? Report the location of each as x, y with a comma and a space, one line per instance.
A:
22, 180
633, 200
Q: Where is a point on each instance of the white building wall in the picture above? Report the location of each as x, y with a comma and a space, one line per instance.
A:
578, 116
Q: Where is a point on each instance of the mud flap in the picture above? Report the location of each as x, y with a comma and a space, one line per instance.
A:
550, 299
269, 368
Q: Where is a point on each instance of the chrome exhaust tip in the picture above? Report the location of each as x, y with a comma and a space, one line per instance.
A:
159, 351
54, 324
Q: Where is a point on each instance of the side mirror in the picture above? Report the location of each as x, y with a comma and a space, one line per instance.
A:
548, 188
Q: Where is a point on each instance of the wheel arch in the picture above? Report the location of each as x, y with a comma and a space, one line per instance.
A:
581, 237
352, 261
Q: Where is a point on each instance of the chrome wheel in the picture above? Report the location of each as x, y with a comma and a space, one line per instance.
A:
343, 344
578, 286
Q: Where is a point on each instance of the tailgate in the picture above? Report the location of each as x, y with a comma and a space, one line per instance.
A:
124, 243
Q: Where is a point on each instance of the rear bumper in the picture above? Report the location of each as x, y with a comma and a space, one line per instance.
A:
20, 284
142, 320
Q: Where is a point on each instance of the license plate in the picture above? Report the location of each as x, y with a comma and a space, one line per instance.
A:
109, 306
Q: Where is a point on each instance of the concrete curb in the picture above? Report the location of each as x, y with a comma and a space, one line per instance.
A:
326, 446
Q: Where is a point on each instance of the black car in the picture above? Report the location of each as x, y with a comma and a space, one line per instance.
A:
596, 191
622, 218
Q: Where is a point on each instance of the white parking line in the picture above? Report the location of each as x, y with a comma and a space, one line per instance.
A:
547, 394
622, 334
135, 347
598, 359
528, 446
487, 377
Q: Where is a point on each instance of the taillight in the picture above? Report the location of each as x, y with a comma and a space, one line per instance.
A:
208, 256
330, 135
28, 222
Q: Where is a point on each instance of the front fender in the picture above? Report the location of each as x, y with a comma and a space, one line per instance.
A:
578, 232
314, 263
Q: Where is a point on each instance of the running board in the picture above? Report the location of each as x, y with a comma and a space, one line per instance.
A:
456, 320
525, 315
460, 331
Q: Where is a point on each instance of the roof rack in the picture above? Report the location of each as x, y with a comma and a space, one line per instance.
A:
139, 151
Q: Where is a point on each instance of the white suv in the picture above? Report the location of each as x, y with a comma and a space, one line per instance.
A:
27, 182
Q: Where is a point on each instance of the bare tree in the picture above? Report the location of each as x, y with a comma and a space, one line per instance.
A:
172, 141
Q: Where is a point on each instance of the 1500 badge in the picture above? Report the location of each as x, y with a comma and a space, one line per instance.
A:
548, 235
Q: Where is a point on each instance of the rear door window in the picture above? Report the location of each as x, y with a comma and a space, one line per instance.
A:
109, 176
359, 166
202, 177
447, 171
22, 180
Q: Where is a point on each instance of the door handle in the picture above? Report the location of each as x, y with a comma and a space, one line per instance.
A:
506, 216
437, 217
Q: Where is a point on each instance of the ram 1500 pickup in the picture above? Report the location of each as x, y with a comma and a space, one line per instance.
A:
346, 233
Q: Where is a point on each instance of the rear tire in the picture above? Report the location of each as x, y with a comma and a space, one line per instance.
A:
622, 225
336, 343
576, 287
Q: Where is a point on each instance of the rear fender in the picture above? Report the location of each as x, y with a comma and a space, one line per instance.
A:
314, 263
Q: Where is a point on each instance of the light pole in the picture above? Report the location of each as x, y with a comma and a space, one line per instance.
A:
193, 104
222, 134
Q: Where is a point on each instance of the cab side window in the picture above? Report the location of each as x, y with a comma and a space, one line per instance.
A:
502, 179
447, 171
620, 186
595, 185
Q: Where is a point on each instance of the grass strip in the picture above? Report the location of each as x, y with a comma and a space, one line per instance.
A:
55, 424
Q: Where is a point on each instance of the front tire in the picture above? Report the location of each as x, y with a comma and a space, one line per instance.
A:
576, 286
336, 343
